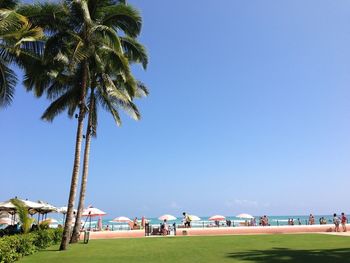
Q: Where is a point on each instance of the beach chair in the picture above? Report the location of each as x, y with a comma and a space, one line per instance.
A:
156, 231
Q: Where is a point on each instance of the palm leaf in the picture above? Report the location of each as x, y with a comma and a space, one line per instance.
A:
8, 82
134, 51
23, 215
69, 99
122, 17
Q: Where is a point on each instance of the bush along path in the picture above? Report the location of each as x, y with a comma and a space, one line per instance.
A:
12, 248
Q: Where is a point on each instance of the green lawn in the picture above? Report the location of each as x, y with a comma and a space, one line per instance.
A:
262, 248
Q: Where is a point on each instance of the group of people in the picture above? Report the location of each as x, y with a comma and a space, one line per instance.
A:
342, 220
323, 221
264, 221
165, 228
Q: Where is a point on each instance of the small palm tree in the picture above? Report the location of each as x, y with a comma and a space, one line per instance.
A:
23, 215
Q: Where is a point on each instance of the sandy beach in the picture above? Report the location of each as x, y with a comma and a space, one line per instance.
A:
220, 231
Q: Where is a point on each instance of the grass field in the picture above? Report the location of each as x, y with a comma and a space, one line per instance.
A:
263, 248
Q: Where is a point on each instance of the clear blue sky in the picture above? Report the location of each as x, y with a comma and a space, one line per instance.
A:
249, 112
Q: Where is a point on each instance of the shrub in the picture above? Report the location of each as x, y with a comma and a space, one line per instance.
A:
14, 247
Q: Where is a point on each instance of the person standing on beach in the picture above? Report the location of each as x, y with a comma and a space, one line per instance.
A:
311, 220
186, 220
336, 222
343, 222
165, 228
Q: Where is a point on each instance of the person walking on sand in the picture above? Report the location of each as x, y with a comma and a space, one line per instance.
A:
343, 222
336, 222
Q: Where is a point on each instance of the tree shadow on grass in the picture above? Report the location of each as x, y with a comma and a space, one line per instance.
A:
285, 255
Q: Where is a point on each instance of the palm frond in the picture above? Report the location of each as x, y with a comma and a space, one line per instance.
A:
49, 16
111, 89
23, 215
142, 90
69, 99
8, 4
134, 51
106, 103
8, 82
122, 17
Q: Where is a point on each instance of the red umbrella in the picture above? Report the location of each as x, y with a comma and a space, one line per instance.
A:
217, 218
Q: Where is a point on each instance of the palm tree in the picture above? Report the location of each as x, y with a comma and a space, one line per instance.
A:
17, 43
77, 38
111, 95
112, 105
135, 53
23, 215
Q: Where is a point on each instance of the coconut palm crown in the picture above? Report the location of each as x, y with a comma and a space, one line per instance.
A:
17, 45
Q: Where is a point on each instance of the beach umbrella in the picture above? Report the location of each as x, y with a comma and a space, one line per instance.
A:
194, 218
47, 208
167, 217
217, 218
6, 206
93, 211
63, 210
32, 205
29, 204
51, 221
5, 221
245, 216
121, 219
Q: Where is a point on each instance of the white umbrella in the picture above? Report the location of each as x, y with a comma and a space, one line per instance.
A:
64, 209
51, 221
167, 217
47, 208
194, 218
7, 205
217, 218
245, 216
121, 219
31, 204
93, 211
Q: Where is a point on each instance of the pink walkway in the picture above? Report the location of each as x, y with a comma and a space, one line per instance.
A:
219, 231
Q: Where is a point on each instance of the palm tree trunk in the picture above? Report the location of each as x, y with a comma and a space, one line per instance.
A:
76, 230
76, 166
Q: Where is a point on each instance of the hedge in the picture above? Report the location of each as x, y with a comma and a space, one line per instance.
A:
14, 247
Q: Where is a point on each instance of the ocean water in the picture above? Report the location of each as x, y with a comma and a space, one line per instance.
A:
205, 222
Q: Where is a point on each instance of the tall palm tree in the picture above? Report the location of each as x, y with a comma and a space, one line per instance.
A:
75, 38
17, 36
111, 95
135, 53
112, 105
